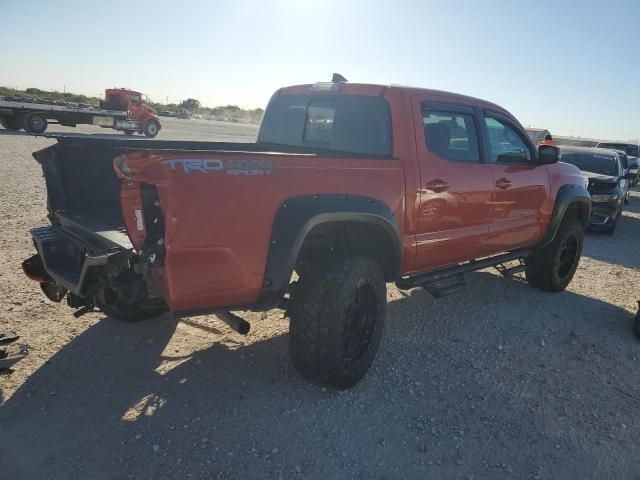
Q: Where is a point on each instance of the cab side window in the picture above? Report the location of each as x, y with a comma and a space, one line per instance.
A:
135, 99
451, 135
505, 143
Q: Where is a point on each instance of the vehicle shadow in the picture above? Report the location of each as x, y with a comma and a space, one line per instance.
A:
16, 133
131, 400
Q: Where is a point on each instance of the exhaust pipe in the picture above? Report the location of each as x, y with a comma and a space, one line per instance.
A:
239, 324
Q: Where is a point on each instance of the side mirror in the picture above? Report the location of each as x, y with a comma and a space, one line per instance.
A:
548, 154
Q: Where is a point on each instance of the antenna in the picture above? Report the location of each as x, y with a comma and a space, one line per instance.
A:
338, 78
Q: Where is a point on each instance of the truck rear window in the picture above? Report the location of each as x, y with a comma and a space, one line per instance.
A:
356, 124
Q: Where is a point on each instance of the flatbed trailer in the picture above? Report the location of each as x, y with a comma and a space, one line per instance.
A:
68, 115
122, 110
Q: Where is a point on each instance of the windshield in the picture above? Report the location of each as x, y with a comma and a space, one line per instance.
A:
347, 123
631, 150
602, 164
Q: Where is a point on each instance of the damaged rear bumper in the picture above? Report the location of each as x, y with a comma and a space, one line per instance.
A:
63, 260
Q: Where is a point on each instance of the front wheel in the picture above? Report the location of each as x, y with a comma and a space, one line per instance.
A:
337, 317
151, 129
551, 268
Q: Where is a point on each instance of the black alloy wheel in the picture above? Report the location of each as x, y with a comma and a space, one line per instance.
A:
360, 324
567, 257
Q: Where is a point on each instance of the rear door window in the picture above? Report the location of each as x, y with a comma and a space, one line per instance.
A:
356, 124
451, 135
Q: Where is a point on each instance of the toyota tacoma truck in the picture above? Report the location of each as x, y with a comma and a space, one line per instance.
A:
348, 187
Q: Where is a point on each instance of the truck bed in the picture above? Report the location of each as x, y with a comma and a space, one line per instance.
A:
84, 191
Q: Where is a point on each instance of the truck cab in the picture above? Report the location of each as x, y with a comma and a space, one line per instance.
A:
140, 117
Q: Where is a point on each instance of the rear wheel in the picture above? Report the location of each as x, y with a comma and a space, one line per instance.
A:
35, 123
551, 268
151, 128
337, 317
10, 123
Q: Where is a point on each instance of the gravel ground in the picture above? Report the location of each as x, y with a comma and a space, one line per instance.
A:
500, 381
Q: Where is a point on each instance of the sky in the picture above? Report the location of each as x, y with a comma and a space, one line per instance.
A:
570, 66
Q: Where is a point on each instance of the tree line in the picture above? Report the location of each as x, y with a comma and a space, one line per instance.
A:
192, 106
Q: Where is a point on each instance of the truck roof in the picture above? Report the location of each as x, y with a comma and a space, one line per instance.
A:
133, 92
379, 89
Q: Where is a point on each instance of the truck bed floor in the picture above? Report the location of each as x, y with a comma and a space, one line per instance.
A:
105, 223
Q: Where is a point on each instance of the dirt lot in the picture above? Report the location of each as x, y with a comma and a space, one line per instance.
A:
500, 381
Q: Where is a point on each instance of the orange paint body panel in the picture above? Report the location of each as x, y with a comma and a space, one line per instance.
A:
218, 222
218, 226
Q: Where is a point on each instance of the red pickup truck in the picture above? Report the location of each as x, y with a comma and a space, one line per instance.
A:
348, 187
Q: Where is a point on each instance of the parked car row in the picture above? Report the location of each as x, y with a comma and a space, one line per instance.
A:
609, 173
631, 152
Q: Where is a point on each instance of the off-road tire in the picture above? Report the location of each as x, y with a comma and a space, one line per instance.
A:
324, 310
151, 128
35, 123
545, 268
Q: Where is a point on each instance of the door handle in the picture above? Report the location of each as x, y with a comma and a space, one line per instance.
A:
503, 183
437, 185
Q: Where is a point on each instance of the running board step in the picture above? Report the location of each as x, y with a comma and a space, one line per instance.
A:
508, 272
421, 279
448, 286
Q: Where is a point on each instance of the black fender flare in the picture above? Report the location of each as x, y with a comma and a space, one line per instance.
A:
297, 216
567, 196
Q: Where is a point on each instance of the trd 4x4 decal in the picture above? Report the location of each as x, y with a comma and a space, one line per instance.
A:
231, 167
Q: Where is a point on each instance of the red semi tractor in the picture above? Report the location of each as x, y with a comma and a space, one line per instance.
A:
121, 109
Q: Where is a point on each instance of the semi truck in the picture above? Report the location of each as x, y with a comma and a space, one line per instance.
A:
122, 110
